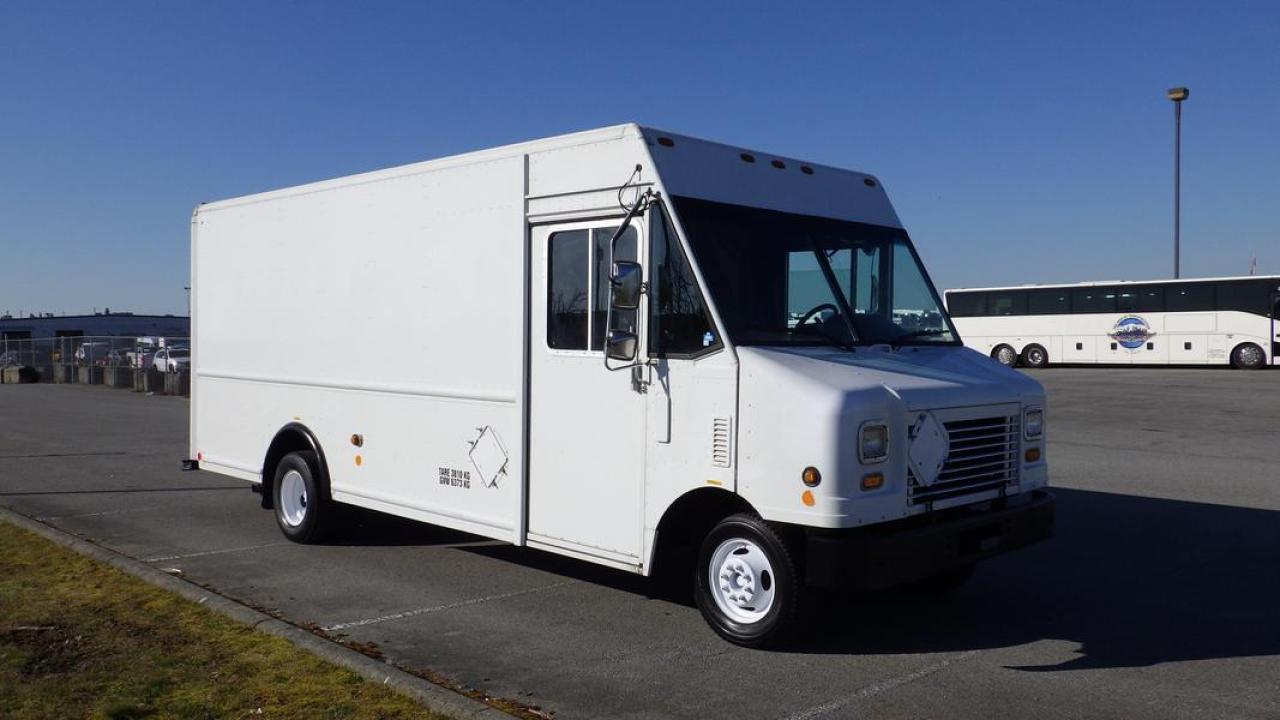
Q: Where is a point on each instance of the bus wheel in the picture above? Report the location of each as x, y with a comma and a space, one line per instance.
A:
1034, 356
1004, 355
747, 586
1248, 356
302, 510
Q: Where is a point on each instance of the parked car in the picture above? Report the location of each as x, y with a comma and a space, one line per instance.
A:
117, 357
92, 352
24, 357
142, 357
172, 359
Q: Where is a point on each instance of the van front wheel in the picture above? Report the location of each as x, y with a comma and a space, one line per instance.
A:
747, 586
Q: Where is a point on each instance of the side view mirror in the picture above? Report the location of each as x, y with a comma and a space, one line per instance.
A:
625, 285
621, 345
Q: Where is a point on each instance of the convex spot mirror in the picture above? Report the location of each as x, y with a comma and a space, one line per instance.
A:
621, 345
625, 285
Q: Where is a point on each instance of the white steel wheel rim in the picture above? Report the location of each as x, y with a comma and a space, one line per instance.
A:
1005, 356
1250, 356
743, 583
293, 498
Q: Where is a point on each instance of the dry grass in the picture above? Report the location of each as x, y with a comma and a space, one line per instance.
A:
83, 640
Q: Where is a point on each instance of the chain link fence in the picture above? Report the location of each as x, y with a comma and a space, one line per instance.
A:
145, 364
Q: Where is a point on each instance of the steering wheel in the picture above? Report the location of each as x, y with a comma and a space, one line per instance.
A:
814, 311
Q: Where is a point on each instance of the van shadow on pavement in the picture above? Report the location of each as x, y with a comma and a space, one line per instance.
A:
1134, 581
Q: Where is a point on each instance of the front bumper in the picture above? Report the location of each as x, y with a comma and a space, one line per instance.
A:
876, 557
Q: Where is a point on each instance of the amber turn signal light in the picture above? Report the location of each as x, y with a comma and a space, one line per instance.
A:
1032, 454
872, 481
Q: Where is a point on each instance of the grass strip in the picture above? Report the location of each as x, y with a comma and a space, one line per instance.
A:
79, 639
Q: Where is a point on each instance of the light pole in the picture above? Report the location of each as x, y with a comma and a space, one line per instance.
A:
1177, 95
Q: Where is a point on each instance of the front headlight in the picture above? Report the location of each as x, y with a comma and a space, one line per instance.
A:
873, 442
1033, 422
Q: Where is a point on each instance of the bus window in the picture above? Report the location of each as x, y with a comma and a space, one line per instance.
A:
1244, 296
1188, 298
1150, 298
1126, 300
967, 304
1048, 302
1093, 300
1008, 303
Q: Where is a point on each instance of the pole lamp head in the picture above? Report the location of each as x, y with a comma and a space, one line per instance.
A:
1178, 94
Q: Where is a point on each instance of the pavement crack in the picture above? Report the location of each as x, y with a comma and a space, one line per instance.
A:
184, 556
448, 606
882, 687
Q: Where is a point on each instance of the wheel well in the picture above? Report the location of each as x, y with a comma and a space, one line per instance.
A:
294, 437
687, 521
1231, 357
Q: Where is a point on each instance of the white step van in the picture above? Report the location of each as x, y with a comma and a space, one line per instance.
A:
628, 346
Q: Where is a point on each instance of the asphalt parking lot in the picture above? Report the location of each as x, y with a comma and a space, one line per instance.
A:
1158, 598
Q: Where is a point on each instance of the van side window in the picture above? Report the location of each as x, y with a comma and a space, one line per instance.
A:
578, 286
567, 282
678, 320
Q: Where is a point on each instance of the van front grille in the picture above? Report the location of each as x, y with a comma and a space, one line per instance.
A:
983, 455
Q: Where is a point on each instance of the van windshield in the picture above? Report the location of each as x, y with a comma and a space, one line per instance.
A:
784, 279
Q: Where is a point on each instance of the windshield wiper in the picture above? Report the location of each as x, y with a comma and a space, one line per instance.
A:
918, 333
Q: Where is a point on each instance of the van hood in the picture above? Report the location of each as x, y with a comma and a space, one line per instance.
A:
925, 378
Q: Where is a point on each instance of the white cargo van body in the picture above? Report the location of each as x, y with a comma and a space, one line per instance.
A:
435, 335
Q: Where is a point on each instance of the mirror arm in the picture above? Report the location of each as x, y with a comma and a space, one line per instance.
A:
642, 203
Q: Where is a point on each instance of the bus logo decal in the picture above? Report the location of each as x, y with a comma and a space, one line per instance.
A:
1131, 331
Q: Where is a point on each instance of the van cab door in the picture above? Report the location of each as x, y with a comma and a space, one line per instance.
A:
586, 422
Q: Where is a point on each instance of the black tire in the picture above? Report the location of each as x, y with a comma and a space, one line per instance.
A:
317, 510
1005, 355
783, 582
1248, 356
944, 582
1035, 356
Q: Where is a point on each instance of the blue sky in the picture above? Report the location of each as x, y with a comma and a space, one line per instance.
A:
1020, 142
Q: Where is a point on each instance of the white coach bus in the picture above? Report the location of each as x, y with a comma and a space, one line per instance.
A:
627, 346
1205, 321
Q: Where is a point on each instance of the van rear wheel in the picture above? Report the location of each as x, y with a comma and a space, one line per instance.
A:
747, 586
303, 511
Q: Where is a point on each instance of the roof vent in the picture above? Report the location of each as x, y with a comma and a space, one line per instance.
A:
747, 157
869, 182
666, 141
806, 169
778, 164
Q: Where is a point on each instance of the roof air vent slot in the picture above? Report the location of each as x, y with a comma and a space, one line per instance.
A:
665, 141
778, 164
806, 169
747, 157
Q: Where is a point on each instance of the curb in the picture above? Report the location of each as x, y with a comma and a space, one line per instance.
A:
432, 696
